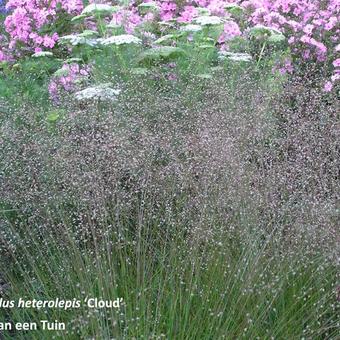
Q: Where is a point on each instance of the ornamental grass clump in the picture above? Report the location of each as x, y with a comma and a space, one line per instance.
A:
208, 206
205, 149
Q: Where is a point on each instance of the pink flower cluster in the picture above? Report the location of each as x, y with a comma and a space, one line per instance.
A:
129, 18
167, 9
66, 81
312, 28
28, 21
231, 30
188, 14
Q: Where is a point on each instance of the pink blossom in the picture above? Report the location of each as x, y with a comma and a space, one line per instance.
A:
335, 77
336, 62
306, 54
60, 84
188, 14
291, 40
328, 86
27, 18
308, 29
230, 31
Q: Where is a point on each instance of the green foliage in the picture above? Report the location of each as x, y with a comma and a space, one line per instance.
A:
27, 81
206, 292
160, 54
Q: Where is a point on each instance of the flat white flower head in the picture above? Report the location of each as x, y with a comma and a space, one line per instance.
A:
99, 92
121, 40
42, 54
207, 20
148, 6
191, 28
75, 40
235, 56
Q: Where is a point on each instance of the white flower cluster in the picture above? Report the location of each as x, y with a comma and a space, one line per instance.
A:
75, 40
234, 56
207, 20
120, 40
100, 92
191, 28
148, 6
42, 54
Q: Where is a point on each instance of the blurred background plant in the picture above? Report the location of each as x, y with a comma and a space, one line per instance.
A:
3, 9
286, 36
